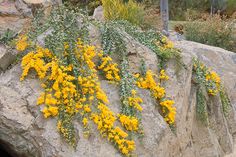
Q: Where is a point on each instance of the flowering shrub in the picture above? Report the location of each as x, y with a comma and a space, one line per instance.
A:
210, 78
67, 95
130, 116
118, 10
69, 76
22, 43
212, 31
109, 68
210, 81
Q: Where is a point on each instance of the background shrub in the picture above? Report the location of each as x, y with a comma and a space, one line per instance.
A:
213, 31
88, 5
118, 10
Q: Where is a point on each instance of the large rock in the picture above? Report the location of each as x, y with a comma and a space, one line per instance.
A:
25, 132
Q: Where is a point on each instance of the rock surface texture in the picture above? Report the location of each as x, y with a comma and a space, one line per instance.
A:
25, 132
16, 14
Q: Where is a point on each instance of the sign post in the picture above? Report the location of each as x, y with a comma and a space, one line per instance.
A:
164, 16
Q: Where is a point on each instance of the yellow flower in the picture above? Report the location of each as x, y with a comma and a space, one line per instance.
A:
148, 82
46, 113
85, 122
129, 122
171, 111
163, 75
22, 43
87, 108
53, 110
102, 96
109, 68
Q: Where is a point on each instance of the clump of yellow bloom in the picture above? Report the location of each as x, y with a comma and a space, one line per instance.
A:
50, 111
210, 78
47, 99
22, 43
134, 101
109, 68
213, 81
168, 110
163, 75
105, 124
165, 44
35, 61
66, 95
148, 82
85, 122
129, 122
158, 92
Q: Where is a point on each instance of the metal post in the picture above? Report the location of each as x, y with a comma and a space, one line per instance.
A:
164, 16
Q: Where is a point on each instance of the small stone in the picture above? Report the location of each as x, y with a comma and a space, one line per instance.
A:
98, 14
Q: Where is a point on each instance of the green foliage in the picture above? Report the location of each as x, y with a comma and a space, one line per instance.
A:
199, 78
143, 68
86, 5
112, 39
118, 10
66, 121
7, 36
225, 101
63, 27
150, 38
126, 85
201, 107
214, 31
205, 81
231, 7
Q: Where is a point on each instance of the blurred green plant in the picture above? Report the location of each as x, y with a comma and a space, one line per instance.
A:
118, 10
7, 36
213, 31
88, 5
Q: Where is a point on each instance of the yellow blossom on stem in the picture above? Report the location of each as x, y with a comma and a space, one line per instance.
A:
22, 43
129, 122
168, 110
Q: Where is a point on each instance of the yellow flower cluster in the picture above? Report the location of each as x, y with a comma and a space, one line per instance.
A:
109, 68
210, 78
168, 110
213, 78
67, 95
22, 43
50, 111
35, 61
85, 53
129, 122
158, 92
163, 75
148, 82
134, 101
104, 119
47, 99
105, 124
165, 44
